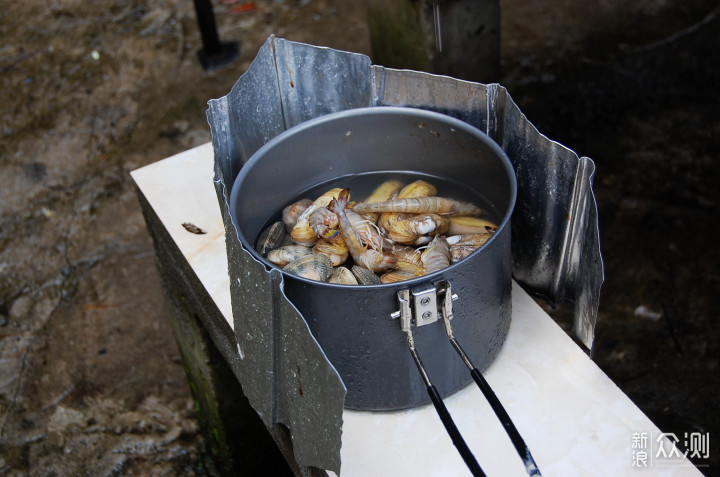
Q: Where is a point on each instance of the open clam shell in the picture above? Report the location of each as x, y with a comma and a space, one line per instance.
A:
281, 256
270, 238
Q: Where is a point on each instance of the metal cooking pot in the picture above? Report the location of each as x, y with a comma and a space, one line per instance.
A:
354, 324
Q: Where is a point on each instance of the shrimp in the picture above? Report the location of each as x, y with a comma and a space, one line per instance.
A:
371, 259
368, 233
302, 233
421, 205
323, 222
437, 255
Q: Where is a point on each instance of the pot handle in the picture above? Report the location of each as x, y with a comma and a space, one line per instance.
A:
406, 323
444, 414
512, 432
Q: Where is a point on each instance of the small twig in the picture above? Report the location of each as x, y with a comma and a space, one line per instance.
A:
677, 35
59, 399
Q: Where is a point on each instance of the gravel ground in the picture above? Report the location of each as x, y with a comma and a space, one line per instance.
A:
90, 377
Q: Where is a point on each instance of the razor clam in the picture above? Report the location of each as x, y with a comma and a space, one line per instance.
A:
315, 266
470, 225
343, 276
385, 191
365, 276
270, 238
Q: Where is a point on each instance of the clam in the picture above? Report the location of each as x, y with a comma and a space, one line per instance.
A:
291, 213
334, 247
365, 276
270, 238
313, 267
281, 256
343, 276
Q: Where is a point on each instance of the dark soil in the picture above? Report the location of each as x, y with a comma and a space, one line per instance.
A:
91, 381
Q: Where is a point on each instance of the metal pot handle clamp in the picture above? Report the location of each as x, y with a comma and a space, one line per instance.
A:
418, 307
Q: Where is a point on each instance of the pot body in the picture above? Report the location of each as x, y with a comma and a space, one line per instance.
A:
353, 324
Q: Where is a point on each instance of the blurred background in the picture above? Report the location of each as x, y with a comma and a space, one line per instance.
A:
91, 381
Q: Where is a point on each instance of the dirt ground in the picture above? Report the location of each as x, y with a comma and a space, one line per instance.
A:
90, 377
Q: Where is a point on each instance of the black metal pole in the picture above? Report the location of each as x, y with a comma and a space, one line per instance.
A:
214, 53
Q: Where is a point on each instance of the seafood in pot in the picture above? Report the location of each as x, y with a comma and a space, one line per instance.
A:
323, 222
409, 230
373, 260
302, 233
470, 225
365, 276
292, 212
395, 276
334, 247
343, 276
398, 233
270, 238
367, 232
385, 191
436, 256
415, 189
281, 256
315, 266
421, 205
463, 245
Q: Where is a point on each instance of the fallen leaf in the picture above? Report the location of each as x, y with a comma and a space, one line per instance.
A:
192, 228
